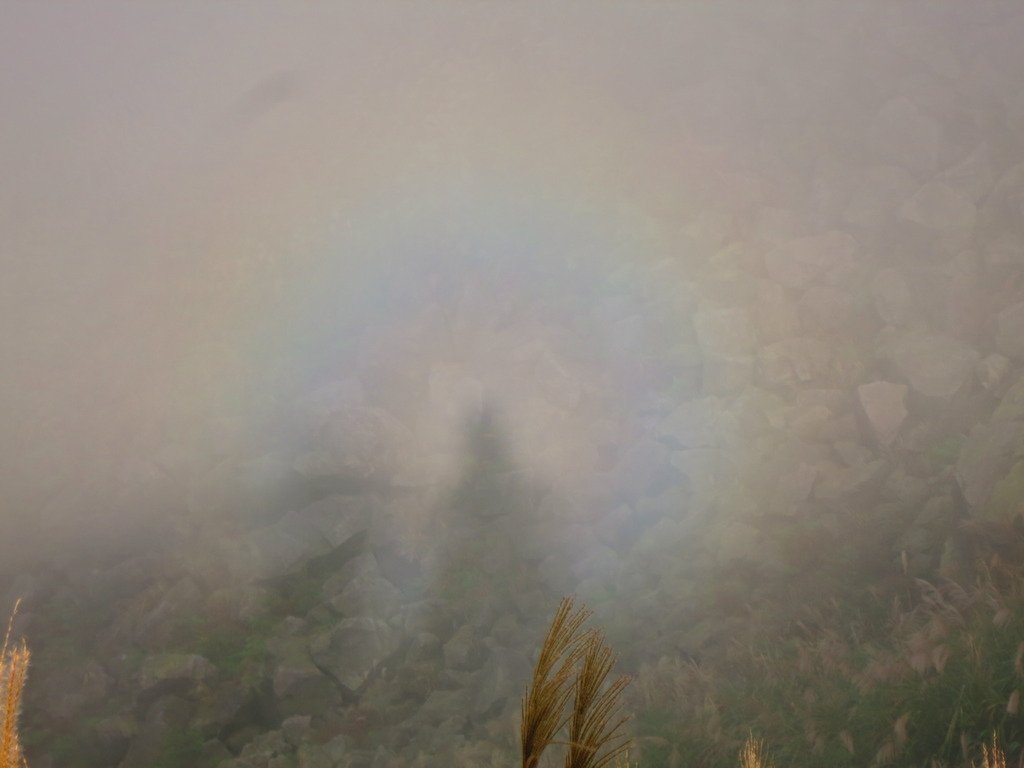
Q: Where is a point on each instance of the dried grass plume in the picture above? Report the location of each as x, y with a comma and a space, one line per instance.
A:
13, 670
573, 663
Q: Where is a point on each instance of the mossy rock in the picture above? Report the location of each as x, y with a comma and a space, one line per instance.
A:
1007, 499
1011, 407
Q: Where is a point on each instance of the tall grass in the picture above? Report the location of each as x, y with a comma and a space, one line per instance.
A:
922, 683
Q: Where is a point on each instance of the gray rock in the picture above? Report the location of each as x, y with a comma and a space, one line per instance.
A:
638, 467
177, 672
157, 627
894, 301
877, 195
903, 135
776, 315
883, 404
824, 309
454, 394
840, 482
936, 366
359, 445
803, 260
553, 379
222, 706
939, 210
299, 687
986, 456
905, 488
1011, 407
367, 596
727, 375
776, 225
112, 735
1010, 331
212, 754
724, 331
329, 755
1002, 208
261, 751
795, 486
353, 649
973, 177
810, 423
331, 397
465, 649
705, 468
795, 361
336, 518
993, 373
166, 717
923, 541
852, 452
501, 680
275, 550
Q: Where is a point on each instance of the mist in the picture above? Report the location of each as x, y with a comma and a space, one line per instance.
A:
368, 331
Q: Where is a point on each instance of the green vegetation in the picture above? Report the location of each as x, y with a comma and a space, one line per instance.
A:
236, 652
181, 749
931, 680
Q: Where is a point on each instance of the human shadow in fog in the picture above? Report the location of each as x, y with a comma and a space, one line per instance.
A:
493, 541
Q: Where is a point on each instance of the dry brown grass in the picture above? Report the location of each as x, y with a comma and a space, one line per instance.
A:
752, 755
593, 725
994, 757
13, 670
574, 663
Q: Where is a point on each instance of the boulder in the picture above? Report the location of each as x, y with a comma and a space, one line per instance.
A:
935, 366
112, 735
842, 482
986, 456
161, 626
165, 719
638, 468
876, 196
454, 394
724, 331
777, 317
883, 405
358, 447
173, 672
352, 649
367, 596
824, 309
991, 450
465, 649
993, 373
274, 550
795, 361
943, 213
1010, 331
902, 134
726, 375
972, 177
894, 301
805, 259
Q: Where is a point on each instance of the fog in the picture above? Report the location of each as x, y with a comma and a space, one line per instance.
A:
492, 303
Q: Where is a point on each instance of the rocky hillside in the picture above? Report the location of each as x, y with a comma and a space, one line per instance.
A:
840, 389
